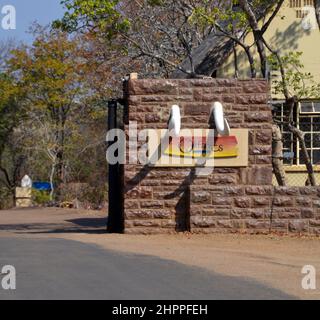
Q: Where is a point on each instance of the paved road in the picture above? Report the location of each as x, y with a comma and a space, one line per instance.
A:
60, 269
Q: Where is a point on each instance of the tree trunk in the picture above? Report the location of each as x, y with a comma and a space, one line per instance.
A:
277, 156
14, 199
60, 167
262, 52
53, 169
213, 51
257, 34
300, 136
252, 64
236, 62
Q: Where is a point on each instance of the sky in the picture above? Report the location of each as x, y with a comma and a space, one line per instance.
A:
28, 11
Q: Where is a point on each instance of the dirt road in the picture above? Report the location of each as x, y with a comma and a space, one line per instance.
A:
271, 260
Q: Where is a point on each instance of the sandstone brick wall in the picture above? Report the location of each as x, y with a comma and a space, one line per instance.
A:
256, 209
160, 200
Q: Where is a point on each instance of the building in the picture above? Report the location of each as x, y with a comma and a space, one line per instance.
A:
294, 29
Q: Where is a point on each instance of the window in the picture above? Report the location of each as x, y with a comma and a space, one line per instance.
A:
299, 6
311, 126
289, 146
308, 3
295, 3
307, 119
309, 107
300, 14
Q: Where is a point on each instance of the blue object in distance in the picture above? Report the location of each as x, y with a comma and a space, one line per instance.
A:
42, 186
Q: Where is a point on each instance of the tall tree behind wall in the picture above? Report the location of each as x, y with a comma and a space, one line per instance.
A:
51, 77
160, 34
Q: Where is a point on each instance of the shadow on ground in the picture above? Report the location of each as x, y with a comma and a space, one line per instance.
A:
81, 225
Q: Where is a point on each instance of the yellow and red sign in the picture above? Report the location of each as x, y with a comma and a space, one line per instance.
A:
203, 147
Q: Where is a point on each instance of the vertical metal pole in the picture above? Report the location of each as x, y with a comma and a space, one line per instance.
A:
115, 219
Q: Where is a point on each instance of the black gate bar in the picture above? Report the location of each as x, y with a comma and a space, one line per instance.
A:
116, 180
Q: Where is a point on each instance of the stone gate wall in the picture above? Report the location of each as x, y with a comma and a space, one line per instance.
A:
162, 200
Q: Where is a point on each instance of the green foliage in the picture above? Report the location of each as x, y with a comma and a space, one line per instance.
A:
6, 201
65, 125
91, 14
10, 109
40, 197
299, 83
206, 13
11, 114
52, 77
205, 16
48, 72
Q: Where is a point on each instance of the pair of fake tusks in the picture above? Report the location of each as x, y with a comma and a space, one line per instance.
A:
222, 125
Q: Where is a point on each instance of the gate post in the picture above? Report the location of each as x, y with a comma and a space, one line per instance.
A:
115, 177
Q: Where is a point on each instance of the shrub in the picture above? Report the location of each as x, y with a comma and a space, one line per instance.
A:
86, 196
6, 201
40, 197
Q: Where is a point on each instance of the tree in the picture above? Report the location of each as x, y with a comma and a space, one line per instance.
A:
223, 24
12, 111
178, 39
295, 85
162, 33
11, 114
66, 82
51, 77
105, 66
232, 24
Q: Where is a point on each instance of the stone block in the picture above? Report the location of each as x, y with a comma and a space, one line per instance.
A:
264, 137
145, 86
203, 222
139, 193
257, 176
152, 204
307, 213
23, 192
223, 179
139, 214
287, 191
243, 202
298, 226
259, 190
257, 117
261, 202
283, 202
24, 203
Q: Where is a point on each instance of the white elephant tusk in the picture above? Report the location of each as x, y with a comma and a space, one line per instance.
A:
221, 123
174, 123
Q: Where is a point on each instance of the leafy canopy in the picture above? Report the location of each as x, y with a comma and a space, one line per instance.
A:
93, 14
299, 83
